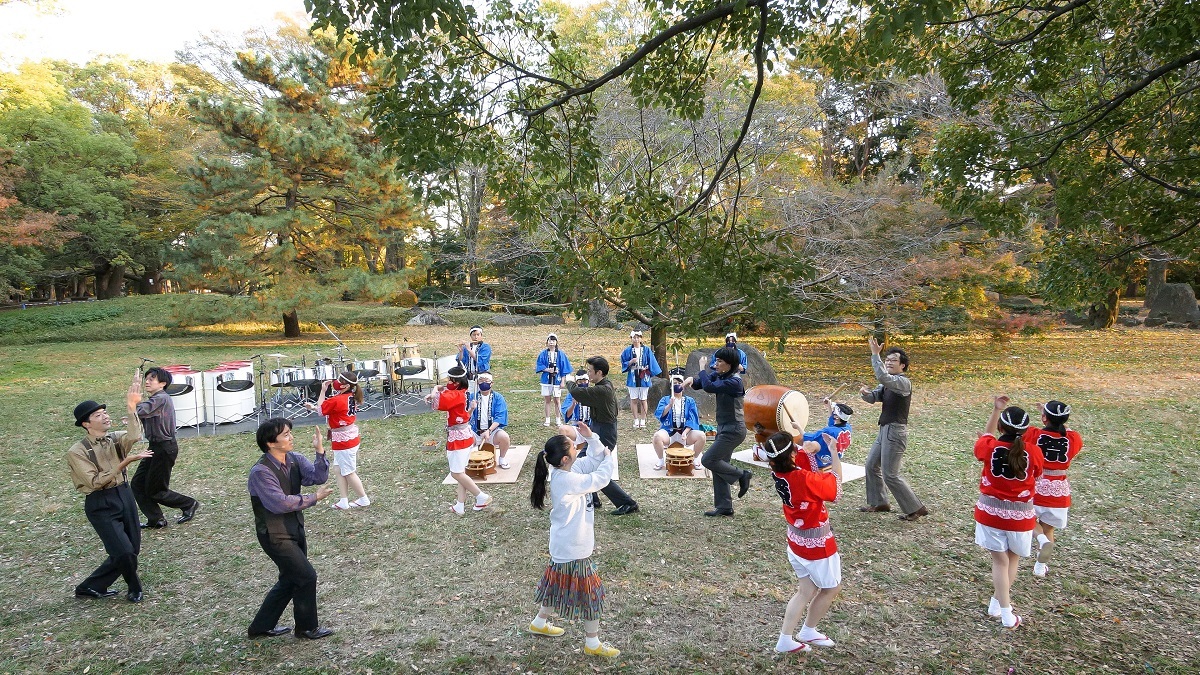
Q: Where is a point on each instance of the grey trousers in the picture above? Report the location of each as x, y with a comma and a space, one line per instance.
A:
883, 469
716, 460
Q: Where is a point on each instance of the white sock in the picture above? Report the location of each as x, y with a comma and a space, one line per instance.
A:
363, 500
1006, 615
786, 643
1043, 540
344, 503
539, 622
482, 498
592, 642
994, 607
807, 633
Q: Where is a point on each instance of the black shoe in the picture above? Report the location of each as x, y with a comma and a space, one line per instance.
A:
154, 525
85, 592
134, 596
744, 483
274, 632
316, 633
189, 512
626, 508
718, 512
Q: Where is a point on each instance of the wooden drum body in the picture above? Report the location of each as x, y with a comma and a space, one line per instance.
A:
679, 460
776, 408
481, 465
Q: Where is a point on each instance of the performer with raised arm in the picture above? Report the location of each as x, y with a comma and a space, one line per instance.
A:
341, 414
1004, 515
489, 416
812, 550
640, 365
98, 464
886, 457
679, 422
1052, 496
836, 427
460, 442
570, 586
552, 364
600, 398
726, 383
274, 486
151, 482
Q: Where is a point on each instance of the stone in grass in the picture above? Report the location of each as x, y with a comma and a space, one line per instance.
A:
758, 371
551, 320
1175, 303
503, 320
422, 318
1155, 321
1130, 321
1074, 318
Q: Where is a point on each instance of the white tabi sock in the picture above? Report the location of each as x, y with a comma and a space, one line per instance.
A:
592, 642
1043, 540
787, 643
539, 622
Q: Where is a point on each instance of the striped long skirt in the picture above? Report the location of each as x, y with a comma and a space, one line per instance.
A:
572, 589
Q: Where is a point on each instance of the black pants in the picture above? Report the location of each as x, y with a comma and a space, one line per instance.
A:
607, 431
716, 459
297, 584
114, 515
152, 478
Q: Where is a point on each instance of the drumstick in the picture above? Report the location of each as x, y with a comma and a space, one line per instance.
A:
834, 392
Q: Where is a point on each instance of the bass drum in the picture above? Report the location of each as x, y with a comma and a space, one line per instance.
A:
776, 408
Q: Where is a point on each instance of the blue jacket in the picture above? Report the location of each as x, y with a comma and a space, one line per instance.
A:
648, 361
483, 358
543, 362
575, 415
498, 410
840, 434
691, 414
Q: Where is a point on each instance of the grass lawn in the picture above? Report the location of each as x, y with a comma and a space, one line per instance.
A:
410, 587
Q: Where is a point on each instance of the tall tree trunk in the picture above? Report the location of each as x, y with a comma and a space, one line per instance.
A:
1104, 314
110, 280
475, 186
291, 324
1156, 276
658, 343
151, 283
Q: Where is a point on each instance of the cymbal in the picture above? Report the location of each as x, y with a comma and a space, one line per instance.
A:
409, 370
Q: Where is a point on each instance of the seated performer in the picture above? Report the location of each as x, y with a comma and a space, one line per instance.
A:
489, 416
573, 411
679, 420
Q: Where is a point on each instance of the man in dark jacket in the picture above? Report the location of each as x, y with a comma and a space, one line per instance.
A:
601, 399
725, 382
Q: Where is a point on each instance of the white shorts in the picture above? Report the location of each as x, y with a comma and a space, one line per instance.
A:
346, 461
638, 393
824, 573
458, 459
1003, 540
1054, 517
552, 390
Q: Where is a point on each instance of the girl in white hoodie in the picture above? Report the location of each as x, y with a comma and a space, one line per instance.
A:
570, 585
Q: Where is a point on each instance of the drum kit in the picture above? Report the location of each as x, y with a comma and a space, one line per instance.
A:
236, 390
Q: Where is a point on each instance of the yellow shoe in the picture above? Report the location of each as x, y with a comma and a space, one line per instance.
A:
549, 630
604, 649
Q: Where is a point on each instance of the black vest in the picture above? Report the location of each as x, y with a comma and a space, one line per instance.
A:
729, 412
290, 525
895, 408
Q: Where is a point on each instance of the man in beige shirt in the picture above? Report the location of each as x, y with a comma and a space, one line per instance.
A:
98, 463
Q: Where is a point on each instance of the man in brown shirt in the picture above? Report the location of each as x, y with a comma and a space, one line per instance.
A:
98, 464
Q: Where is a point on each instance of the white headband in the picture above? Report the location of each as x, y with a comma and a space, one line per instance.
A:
837, 412
1020, 425
1062, 412
772, 452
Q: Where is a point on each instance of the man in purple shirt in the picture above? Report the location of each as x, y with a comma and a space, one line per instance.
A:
277, 503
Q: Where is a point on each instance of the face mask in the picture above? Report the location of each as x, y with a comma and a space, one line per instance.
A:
485, 386
678, 388
582, 384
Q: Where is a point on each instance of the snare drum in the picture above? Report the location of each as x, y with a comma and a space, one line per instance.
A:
410, 352
481, 464
776, 408
679, 460
323, 372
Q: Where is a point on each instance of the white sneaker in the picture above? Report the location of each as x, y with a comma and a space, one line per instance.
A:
1039, 569
546, 423
558, 421
482, 501
994, 608
361, 501
459, 508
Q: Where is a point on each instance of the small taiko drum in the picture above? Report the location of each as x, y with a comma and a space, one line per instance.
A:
679, 460
481, 464
776, 408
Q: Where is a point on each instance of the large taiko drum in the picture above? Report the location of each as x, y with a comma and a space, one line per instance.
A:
776, 408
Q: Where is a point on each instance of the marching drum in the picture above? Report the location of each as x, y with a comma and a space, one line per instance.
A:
679, 460
481, 465
776, 408
186, 395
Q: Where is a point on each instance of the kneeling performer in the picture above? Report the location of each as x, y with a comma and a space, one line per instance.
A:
489, 416
679, 420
